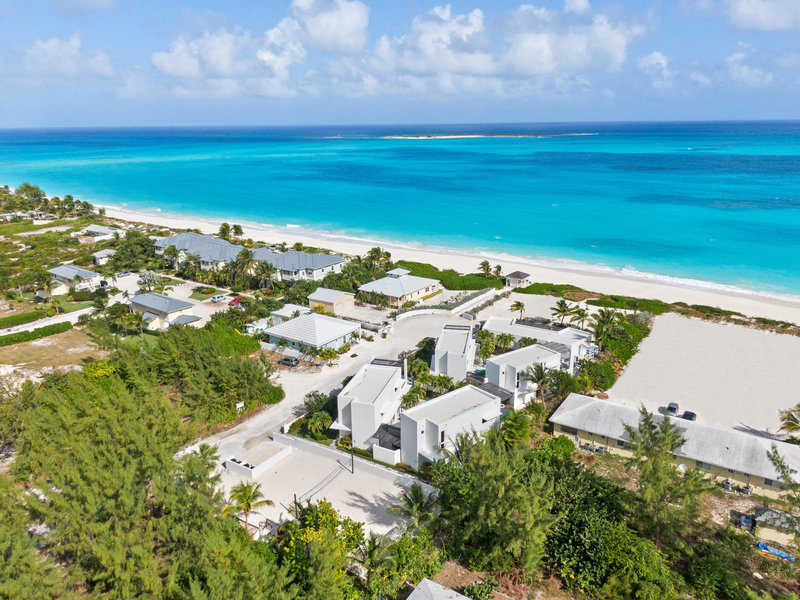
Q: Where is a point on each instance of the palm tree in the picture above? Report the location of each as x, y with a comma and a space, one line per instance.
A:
485, 267
224, 231
135, 320
237, 230
442, 383
790, 420
417, 366
416, 506
318, 421
171, 253
504, 341
604, 324
264, 273
536, 374
497, 270
562, 309
247, 497
519, 307
245, 262
424, 378
579, 315
56, 304
375, 555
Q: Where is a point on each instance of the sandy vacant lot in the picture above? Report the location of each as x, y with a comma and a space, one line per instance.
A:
730, 376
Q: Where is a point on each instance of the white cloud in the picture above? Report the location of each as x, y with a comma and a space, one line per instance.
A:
700, 79
136, 84
576, 6
741, 72
766, 15
282, 48
65, 58
656, 66
337, 25
544, 43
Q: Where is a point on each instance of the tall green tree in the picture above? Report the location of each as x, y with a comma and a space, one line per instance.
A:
416, 506
561, 310
485, 267
537, 374
518, 306
247, 497
666, 499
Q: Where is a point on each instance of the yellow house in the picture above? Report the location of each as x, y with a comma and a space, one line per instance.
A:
401, 287
330, 301
738, 458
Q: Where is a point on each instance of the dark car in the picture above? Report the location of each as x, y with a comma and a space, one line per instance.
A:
103, 283
672, 409
689, 415
289, 361
236, 301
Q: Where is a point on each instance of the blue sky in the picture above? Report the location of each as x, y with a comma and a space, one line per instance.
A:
146, 62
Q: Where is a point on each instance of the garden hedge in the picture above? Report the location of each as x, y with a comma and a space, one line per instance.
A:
27, 336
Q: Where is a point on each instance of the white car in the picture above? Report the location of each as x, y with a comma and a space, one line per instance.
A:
218, 298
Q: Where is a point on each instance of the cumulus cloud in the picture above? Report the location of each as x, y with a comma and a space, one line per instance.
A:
765, 15
744, 73
543, 42
700, 79
65, 58
576, 6
656, 66
338, 25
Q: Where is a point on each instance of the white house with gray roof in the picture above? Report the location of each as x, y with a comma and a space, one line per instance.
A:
401, 287
455, 352
725, 454
572, 342
313, 330
371, 398
433, 426
216, 253
65, 277
159, 311
430, 590
506, 370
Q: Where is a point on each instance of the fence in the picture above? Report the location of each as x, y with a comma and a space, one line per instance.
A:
463, 305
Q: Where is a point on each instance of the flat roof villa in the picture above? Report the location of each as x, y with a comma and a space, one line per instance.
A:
400, 287
215, 252
332, 301
160, 311
724, 454
313, 330
506, 370
432, 426
577, 341
455, 352
371, 398
67, 276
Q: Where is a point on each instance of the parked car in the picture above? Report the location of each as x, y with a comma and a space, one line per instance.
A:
236, 301
103, 283
672, 409
289, 361
218, 298
689, 415
124, 273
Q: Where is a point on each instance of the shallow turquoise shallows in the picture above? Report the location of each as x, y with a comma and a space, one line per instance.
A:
718, 202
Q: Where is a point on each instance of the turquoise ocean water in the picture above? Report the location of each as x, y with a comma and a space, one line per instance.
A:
718, 202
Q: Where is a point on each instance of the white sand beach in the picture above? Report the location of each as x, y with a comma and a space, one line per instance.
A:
607, 281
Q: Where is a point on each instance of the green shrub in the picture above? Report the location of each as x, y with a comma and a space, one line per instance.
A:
549, 289
20, 319
27, 336
656, 307
237, 288
601, 373
99, 369
81, 296
481, 590
231, 341
449, 278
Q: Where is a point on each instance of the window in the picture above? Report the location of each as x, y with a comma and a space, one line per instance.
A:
570, 430
703, 465
772, 483
622, 443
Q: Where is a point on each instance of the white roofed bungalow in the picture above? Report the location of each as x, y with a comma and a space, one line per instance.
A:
288, 311
160, 311
370, 399
506, 370
433, 426
313, 330
725, 454
574, 343
401, 287
455, 352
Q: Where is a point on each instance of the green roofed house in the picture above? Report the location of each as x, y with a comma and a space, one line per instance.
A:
160, 311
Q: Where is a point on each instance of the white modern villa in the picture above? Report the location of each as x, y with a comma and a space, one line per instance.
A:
455, 352
571, 342
99, 233
370, 399
432, 426
506, 370
401, 287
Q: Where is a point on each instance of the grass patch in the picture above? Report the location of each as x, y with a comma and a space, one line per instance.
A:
40, 332
74, 346
549, 289
20, 319
450, 278
197, 294
26, 225
656, 307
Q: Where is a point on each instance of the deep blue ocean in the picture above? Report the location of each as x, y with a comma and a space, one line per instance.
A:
718, 202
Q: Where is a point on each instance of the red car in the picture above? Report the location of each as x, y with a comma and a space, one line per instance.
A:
235, 301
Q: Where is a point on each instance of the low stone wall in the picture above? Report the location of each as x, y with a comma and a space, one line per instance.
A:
452, 311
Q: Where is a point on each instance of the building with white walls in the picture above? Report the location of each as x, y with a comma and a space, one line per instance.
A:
506, 370
455, 352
